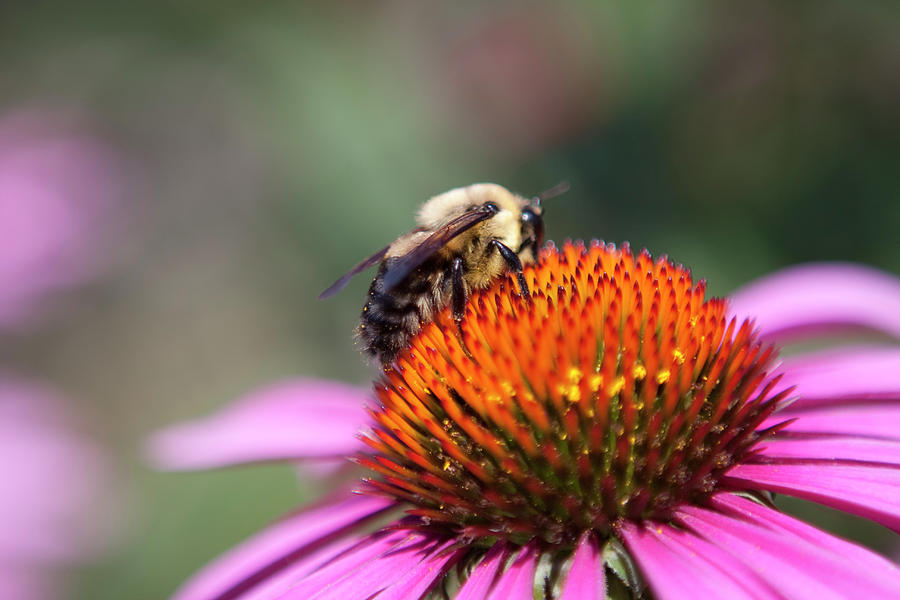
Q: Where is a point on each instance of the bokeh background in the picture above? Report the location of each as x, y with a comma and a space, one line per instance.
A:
249, 153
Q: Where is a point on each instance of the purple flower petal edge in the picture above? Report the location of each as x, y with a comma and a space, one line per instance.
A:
821, 296
293, 419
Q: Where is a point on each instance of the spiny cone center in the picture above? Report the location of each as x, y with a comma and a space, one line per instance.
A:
616, 391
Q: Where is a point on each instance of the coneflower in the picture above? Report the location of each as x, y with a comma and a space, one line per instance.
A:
615, 435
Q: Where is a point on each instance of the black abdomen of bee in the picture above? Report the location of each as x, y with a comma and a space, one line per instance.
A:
390, 318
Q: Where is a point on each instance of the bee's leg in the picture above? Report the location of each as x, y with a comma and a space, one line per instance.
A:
531, 242
458, 299
515, 265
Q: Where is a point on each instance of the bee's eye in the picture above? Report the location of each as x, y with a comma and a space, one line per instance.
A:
491, 206
533, 225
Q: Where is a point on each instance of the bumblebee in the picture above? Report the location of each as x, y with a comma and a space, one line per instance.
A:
465, 239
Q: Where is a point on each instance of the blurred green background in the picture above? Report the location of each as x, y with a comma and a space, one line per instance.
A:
269, 146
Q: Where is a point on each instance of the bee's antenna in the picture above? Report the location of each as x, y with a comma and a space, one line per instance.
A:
557, 190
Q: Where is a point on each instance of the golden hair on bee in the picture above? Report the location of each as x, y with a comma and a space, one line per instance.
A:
465, 239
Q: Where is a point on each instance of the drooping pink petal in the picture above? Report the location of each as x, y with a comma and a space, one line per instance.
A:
870, 491
327, 574
669, 575
420, 578
800, 568
847, 376
289, 420
517, 581
725, 571
787, 525
680, 564
380, 572
876, 421
291, 541
586, 579
484, 574
279, 582
815, 297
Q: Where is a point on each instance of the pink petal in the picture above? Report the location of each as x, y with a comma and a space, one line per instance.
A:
870, 421
517, 582
378, 573
817, 297
586, 579
679, 564
670, 574
301, 418
291, 540
330, 573
483, 575
869, 491
423, 576
845, 376
797, 567
277, 583
787, 525
845, 448
723, 570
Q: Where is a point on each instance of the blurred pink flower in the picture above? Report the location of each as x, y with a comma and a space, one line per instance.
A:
837, 443
53, 479
58, 194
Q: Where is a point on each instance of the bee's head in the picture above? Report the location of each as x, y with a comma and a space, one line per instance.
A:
532, 220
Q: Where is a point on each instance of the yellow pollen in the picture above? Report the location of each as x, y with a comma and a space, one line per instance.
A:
662, 376
446, 464
595, 382
575, 375
678, 355
693, 320
508, 388
639, 371
572, 393
617, 386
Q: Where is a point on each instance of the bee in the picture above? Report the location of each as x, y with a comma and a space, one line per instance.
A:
465, 239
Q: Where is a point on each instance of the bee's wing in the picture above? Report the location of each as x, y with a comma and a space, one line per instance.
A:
341, 283
406, 264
